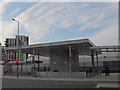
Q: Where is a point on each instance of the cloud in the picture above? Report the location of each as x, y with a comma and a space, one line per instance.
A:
3, 6
59, 0
107, 36
43, 18
8, 29
36, 19
15, 11
99, 16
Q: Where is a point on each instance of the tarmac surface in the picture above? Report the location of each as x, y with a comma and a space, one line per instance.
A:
111, 81
14, 83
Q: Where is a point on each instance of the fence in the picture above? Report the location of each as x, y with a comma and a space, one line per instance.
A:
44, 71
27, 70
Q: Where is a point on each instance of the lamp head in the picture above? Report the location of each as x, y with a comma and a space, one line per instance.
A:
13, 19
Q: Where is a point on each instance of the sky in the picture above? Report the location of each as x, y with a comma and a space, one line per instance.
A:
59, 21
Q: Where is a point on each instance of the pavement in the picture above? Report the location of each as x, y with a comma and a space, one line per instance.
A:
15, 83
108, 85
111, 81
111, 77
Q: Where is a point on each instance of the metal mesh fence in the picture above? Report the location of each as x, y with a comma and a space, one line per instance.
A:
27, 70
45, 70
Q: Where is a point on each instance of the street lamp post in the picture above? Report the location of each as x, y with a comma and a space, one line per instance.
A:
17, 45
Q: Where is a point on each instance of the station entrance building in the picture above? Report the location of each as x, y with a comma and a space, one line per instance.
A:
63, 55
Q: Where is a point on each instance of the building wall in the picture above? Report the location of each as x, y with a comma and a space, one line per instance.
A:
59, 60
14, 42
10, 42
24, 39
11, 55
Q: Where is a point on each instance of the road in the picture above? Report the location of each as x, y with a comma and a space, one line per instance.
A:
14, 83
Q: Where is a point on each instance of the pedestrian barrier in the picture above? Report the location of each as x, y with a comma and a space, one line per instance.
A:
60, 74
27, 70
1, 71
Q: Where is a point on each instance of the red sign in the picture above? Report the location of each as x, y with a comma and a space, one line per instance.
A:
32, 59
16, 60
5, 60
5, 70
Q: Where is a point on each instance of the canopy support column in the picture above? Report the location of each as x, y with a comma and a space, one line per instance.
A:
97, 58
70, 61
33, 61
26, 58
38, 63
93, 64
92, 57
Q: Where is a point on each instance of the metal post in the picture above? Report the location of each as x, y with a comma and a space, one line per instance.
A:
34, 63
97, 58
26, 58
5, 66
26, 65
38, 63
92, 57
119, 35
70, 61
119, 23
21, 65
105, 61
18, 50
17, 46
98, 69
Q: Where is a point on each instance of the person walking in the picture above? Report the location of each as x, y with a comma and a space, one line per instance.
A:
106, 71
90, 71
